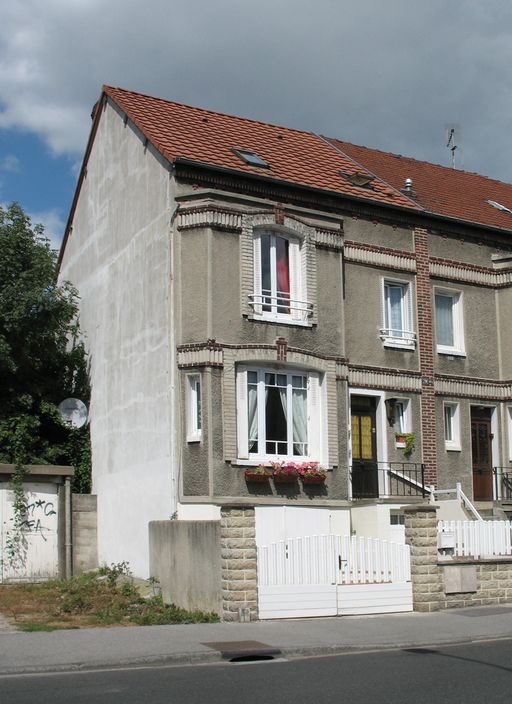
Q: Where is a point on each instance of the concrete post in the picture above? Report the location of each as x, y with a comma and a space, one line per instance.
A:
421, 535
238, 564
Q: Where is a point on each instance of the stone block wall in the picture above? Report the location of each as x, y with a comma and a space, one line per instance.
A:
421, 535
481, 582
443, 583
84, 532
238, 564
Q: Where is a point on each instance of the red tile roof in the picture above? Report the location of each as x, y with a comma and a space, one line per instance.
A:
301, 158
306, 159
439, 189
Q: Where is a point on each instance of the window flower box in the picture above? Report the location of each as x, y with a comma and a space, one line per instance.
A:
258, 474
312, 473
315, 479
285, 472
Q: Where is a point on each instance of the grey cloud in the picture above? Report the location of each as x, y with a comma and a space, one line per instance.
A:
386, 74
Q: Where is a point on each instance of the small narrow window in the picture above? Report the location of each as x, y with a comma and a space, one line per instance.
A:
399, 423
396, 518
449, 322
451, 426
194, 423
397, 315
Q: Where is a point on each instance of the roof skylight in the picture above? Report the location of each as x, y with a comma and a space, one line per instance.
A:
251, 158
499, 206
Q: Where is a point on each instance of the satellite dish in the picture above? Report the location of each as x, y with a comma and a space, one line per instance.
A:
73, 412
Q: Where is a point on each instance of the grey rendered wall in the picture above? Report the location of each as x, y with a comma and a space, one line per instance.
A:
210, 298
480, 335
185, 557
376, 233
118, 256
453, 465
363, 319
84, 532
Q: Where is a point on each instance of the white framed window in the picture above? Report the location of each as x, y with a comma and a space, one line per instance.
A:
509, 422
449, 320
401, 422
397, 318
279, 279
193, 405
279, 414
451, 426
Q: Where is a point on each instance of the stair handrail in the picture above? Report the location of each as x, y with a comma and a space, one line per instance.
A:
466, 502
461, 496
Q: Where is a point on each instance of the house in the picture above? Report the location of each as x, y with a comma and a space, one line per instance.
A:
252, 293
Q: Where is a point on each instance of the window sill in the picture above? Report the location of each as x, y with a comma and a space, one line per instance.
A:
280, 320
194, 438
237, 462
397, 344
450, 352
452, 448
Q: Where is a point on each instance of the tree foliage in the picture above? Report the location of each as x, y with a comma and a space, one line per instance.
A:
42, 359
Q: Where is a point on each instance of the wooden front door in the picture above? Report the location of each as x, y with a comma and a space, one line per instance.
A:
481, 439
365, 482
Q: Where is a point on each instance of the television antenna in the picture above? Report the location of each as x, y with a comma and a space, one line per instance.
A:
452, 142
73, 412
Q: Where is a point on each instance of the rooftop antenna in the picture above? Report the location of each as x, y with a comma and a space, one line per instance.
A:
452, 139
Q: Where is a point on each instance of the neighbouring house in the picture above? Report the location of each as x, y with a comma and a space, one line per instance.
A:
253, 294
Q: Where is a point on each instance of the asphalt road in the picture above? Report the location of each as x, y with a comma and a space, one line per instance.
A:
455, 674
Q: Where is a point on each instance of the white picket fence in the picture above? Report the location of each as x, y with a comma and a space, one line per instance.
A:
479, 538
333, 559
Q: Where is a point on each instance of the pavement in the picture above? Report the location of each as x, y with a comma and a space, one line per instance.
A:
105, 648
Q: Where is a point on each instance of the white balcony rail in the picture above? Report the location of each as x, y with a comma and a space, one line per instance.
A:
479, 538
280, 306
395, 337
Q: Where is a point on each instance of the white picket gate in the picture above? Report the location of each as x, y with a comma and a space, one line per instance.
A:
479, 538
328, 575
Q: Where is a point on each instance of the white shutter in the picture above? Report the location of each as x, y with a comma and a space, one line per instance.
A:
257, 273
383, 303
409, 324
314, 417
296, 294
241, 415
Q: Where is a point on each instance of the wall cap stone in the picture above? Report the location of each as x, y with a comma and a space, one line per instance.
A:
420, 508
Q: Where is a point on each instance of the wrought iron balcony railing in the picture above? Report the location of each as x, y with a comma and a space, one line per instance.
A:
373, 480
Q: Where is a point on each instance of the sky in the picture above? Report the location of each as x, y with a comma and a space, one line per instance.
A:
389, 74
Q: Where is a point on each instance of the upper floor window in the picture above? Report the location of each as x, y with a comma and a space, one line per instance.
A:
397, 315
279, 283
279, 415
193, 406
449, 321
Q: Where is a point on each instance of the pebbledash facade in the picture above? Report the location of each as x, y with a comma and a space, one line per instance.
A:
253, 294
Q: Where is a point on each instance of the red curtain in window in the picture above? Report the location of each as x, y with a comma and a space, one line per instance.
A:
282, 270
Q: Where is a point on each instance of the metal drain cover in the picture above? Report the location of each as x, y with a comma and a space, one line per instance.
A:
230, 649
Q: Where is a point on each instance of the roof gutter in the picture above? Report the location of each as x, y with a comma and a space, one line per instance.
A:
418, 211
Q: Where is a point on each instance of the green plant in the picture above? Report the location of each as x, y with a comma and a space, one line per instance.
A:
408, 440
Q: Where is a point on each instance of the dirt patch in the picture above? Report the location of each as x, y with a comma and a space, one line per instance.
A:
104, 598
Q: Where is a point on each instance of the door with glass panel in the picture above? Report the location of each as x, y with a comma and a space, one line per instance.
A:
365, 481
481, 451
